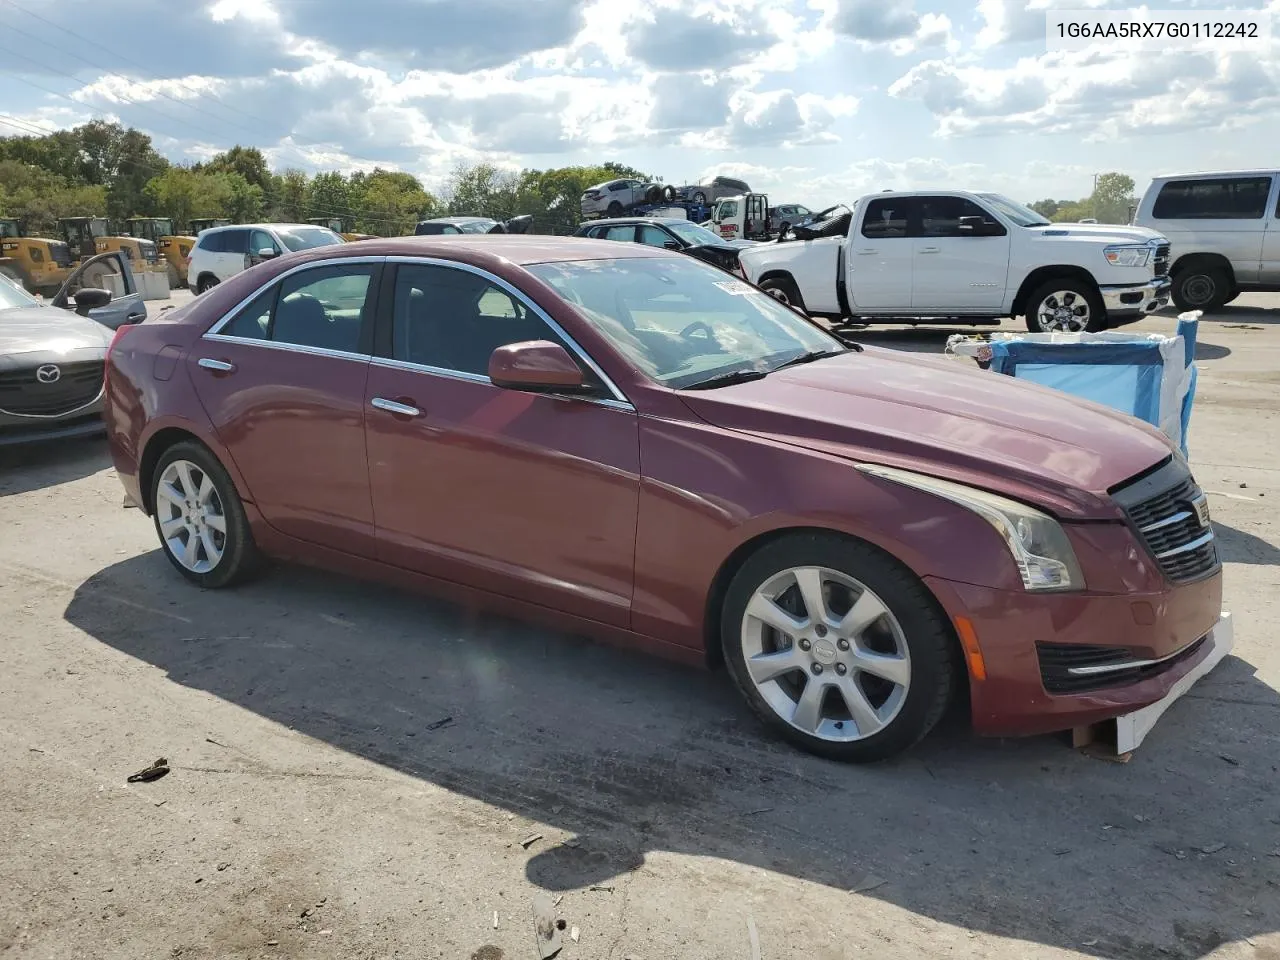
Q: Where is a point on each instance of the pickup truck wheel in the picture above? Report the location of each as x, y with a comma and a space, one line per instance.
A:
784, 290
1065, 306
837, 648
1200, 289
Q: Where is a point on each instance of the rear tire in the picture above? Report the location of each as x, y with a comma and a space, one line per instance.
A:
206, 283
784, 290
1201, 288
865, 678
200, 519
615, 209
1067, 305
698, 197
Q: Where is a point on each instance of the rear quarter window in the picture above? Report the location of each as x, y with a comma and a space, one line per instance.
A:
885, 219
1220, 198
210, 243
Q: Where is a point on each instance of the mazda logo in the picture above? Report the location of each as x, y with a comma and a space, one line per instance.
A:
49, 373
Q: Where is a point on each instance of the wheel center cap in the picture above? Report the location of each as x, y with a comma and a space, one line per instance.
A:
824, 651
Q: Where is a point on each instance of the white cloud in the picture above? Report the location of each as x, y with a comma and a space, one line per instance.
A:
894, 24
1021, 21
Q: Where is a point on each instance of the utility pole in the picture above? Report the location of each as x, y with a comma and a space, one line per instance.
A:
1095, 195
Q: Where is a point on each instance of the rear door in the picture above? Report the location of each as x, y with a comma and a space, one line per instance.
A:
880, 267
954, 269
110, 272
233, 253
282, 379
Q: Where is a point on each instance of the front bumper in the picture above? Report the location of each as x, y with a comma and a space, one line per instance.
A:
1136, 300
1013, 701
87, 423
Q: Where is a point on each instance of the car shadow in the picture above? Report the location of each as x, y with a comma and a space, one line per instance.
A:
621, 755
34, 466
1235, 313
1238, 546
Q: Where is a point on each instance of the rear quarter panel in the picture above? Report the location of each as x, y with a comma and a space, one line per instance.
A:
813, 264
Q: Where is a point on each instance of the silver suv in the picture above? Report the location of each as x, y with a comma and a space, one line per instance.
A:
615, 197
1224, 229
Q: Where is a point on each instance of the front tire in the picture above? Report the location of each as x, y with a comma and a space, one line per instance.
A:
200, 519
1065, 306
784, 290
837, 647
1201, 288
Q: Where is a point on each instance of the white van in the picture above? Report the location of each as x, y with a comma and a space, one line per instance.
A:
1225, 233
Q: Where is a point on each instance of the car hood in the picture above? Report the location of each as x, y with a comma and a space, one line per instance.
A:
37, 329
1099, 231
937, 417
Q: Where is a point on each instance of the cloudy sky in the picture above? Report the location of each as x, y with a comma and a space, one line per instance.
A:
815, 101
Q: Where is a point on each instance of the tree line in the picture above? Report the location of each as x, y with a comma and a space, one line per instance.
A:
104, 169
1112, 201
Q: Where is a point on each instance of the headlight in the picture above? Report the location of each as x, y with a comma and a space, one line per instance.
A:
1128, 255
1040, 548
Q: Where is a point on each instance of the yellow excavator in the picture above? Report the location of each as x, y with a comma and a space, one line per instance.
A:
205, 224
144, 255
39, 264
174, 249
82, 235
335, 224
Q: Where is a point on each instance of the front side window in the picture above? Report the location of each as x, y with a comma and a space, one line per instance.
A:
728, 208
940, 216
681, 321
476, 226
626, 232
693, 234
885, 219
453, 319
260, 240
324, 308
1221, 198
654, 236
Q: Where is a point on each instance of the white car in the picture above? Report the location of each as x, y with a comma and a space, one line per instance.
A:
222, 252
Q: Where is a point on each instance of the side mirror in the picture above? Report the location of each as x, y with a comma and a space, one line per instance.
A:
266, 253
90, 298
977, 227
672, 245
537, 365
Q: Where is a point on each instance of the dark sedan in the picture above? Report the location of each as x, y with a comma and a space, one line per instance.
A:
670, 233
455, 226
629, 442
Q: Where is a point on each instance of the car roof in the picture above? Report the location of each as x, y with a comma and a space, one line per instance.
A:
622, 221
457, 220
264, 226
486, 250
1214, 174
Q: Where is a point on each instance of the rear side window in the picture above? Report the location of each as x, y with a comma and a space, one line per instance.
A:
235, 241
885, 219
1235, 198
211, 242
323, 308
625, 232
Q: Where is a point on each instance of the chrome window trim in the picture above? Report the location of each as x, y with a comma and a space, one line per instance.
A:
389, 363
289, 347
618, 395
278, 278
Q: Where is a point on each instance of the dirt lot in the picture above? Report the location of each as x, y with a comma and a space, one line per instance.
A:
318, 806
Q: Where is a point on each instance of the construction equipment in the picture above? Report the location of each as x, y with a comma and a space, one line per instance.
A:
205, 224
335, 224
82, 235
173, 248
144, 254
39, 264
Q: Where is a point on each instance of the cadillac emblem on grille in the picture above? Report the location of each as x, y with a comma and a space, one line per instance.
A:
49, 373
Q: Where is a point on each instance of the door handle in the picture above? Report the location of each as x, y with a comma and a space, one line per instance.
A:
219, 365
927, 250
136, 317
391, 406
866, 253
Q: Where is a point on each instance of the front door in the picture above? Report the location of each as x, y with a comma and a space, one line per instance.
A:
530, 495
110, 272
957, 270
283, 382
880, 258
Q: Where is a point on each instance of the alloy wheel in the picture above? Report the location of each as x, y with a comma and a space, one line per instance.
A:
826, 654
192, 521
779, 295
1063, 311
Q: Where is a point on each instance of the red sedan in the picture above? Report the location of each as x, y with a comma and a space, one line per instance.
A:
633, 444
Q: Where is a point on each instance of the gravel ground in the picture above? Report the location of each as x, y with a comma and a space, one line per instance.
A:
318, 805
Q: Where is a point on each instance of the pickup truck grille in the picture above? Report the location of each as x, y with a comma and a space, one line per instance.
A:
1171, 516
24, 392
1160, 264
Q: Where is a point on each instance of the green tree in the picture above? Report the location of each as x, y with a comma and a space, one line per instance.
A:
38, 197
120, 159
330, 196
1046, 208
291, 197
248, 162
1113, 197
388, 202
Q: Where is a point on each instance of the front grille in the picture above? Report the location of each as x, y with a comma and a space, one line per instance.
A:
1161, 262
1058, 659
1165, 508
22, 392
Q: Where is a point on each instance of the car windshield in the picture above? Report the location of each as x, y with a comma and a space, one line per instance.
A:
476, 226
304, 238
1022, 216
11, 295
694, 234
681, 321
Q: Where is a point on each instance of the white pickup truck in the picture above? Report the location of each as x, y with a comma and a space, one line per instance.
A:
963, 258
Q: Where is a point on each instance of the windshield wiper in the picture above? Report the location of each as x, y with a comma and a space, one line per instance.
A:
810, 357
727, 379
